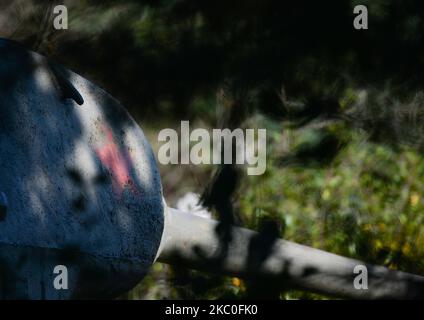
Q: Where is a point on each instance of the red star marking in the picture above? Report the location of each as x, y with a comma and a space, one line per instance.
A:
118, 163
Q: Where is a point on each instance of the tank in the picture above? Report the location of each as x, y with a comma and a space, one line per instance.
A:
79, 185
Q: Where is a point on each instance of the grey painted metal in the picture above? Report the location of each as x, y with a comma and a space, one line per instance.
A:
192, 241
79, 185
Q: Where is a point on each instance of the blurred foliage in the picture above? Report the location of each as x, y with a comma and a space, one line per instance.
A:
343, 110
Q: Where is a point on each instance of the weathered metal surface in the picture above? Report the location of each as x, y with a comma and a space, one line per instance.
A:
79, 185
